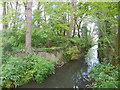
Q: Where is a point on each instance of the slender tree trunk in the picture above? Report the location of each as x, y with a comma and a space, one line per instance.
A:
64, 22
28, 26
99, 53
71, 19
5, 24
45, 14
15, 21
100, 47
75, 19
16, 5
74, 31
4, 13
74, 28
68, 19
78, 28
38, 8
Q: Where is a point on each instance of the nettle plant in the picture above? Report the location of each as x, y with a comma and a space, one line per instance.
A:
16, 72
105, 75
42, 69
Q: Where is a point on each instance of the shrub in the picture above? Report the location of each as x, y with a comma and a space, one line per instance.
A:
105, 76
42, 69
16, 72
70, 53
15, 37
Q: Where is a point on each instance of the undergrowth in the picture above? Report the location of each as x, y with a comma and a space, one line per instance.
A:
16, 72
105, 75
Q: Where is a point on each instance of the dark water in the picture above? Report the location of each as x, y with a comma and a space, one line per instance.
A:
71, 75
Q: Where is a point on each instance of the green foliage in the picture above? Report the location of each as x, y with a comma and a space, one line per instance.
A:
75, 46
41, 37
42, 69
70, 53
38, 38
48, 30
7, 47
5, 57
15, 37
16, 72
105, 75
50, 25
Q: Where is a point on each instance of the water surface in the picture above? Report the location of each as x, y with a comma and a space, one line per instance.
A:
71, 75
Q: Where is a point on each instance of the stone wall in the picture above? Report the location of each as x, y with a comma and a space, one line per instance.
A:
48, 54
53, 56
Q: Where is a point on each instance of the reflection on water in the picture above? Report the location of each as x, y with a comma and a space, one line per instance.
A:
80, 78
63, 78
91, 57
71, 75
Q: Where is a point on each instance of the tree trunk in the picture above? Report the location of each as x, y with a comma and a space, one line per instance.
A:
78, 28
5, 24
68, 20
38, 8
45, 14
71, 20
74, 31
16, 11
75, 20
100, 47
64, 21
28, 26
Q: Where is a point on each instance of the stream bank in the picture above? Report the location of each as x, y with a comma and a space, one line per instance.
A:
64, 77
71, 75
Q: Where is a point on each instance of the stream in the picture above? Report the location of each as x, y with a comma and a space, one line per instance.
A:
71, 75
